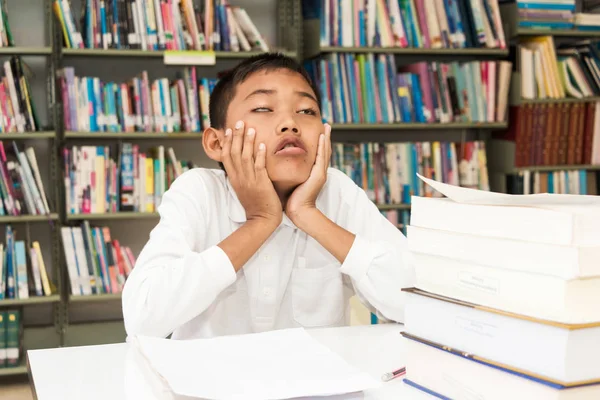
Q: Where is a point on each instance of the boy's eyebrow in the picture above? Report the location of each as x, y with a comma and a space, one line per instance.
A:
260, 91
301, 93
306, 94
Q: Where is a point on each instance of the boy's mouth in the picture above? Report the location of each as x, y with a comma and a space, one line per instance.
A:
290, 146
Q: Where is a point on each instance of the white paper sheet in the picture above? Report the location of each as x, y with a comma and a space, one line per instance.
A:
483, 197
279, 364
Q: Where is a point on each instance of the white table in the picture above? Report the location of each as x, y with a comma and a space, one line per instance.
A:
115, 372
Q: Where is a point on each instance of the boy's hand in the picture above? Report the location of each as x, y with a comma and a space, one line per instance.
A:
303, 199
248, 175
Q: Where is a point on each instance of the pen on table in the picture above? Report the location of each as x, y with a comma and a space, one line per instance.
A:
388, 376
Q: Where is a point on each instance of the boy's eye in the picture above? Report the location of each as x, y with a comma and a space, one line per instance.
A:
261, 109
308, 111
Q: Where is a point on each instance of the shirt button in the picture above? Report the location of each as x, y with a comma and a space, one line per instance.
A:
267, 257
267, 292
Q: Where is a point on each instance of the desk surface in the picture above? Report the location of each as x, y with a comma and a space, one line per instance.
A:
115, 371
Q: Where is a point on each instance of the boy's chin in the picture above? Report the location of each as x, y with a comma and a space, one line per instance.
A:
288, 178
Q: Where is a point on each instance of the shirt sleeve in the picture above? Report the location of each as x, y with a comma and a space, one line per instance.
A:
171, 282
379, 262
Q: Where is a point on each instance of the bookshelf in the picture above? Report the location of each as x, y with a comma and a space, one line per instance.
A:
133, 135
115, 53
518, 159
407, 126
462, 52
97, 318
26, 51
28, 135
39, 317
297, 37
123, 215
94, 298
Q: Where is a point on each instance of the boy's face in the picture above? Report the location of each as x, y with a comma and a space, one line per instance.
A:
281, 106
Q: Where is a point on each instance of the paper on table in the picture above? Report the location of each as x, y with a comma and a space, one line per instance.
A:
483, 197
279, 364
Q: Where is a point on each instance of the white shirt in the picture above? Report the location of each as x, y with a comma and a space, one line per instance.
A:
184, 284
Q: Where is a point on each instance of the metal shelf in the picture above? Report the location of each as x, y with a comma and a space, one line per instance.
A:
560, 101
26, 51
550, 168
384, 207
556, 32
422, 126
8, 219
95, 298
19, 370
132, 135
417, 51
155, 53
55, 298
27, 135
111, 216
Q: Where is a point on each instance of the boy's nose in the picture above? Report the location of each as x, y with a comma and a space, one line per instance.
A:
288, 126
291, 128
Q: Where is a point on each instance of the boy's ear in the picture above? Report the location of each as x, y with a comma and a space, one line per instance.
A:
212, 140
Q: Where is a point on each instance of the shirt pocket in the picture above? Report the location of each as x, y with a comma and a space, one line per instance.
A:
317, 295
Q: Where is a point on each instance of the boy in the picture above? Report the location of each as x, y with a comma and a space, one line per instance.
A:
277, 239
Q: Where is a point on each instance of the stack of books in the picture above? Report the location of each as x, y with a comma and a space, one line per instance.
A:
549, 14
587, 22
407, 23
507, 299
17, 108
138, 105
96, 263
576, 181
23, 273
369, 88
387, 171
21, 189
100, 180
158, 25
11, 325
549, 73
552, 135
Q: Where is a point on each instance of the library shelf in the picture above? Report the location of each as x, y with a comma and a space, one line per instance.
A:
421, 126
133, 135
550, 168
157, 53
556, 32
561, 100
95, 298
417, 51
21, 369
8, 219
27, 135
55, 298
25, 51
384, 207
112, 216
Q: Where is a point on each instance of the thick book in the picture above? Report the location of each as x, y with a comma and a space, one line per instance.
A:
543, 218
448, 373
567, 355
566, 262
536, 295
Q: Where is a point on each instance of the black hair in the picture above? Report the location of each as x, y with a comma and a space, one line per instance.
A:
224, 91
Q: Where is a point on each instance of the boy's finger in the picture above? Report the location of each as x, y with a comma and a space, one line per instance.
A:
260, 161
320, 152
248, 153
236, 145
327, 145
226, 152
